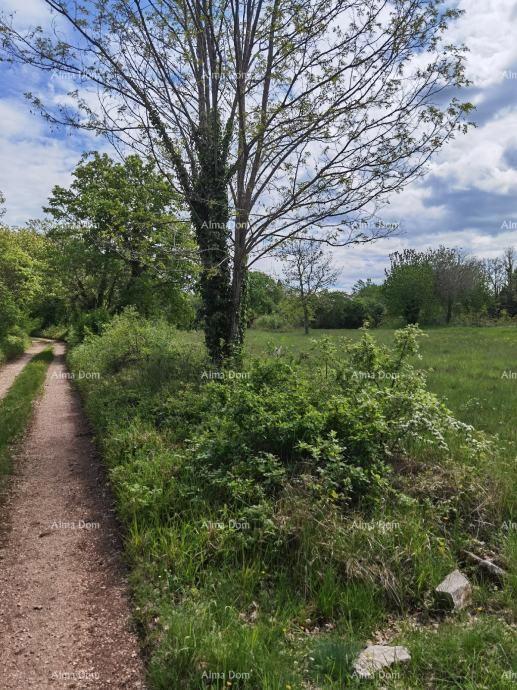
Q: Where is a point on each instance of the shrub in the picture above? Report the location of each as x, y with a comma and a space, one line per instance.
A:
14, 344
87, 323
271, 322
337, 310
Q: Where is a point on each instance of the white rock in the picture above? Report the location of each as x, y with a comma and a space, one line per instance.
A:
377, 657
455, 590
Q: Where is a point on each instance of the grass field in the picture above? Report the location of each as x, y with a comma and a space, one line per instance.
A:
465, 366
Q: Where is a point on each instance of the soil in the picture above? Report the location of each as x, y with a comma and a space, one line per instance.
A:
65, 618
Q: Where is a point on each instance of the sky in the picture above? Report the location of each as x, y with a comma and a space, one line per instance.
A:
467, 199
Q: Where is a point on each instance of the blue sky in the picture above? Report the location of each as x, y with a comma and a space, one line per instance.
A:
468, 198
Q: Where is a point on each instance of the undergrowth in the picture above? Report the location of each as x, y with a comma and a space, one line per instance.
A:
277, 515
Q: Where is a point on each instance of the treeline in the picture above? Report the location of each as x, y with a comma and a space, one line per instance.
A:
432, 287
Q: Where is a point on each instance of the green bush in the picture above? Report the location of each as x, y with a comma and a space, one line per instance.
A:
271, 322
338, 310
13, 344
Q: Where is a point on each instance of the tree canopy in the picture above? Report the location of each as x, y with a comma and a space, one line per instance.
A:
272, 119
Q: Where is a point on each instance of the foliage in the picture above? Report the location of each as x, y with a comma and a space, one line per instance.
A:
272, 322
247, 181
264, 295
231, 482
409, 287
117, 239
446, 285
13, 345
338, 310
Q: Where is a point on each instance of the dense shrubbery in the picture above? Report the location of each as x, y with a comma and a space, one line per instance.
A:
13, 344
244, 493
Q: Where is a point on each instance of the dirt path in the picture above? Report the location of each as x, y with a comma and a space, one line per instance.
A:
9, 371
64, 613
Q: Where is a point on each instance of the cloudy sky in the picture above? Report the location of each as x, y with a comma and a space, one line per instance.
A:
468, 198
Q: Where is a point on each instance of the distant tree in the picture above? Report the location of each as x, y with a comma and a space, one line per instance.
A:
508, 296
307, 270
495, 275
409, 287
456, 276
335, 309
372, 297
21, 276
264, 294
367, 288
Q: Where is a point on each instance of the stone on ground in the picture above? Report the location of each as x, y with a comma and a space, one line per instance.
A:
377, 657
455, 591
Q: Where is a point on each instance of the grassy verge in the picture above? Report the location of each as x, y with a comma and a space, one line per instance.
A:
279, 518
16, 406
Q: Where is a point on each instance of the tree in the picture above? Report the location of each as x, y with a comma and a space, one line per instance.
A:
509, 293
307, 270
367, 289
21, 276
264, 294
409, 287
456, 275
335, 309
117, 238
494, 275
273, 119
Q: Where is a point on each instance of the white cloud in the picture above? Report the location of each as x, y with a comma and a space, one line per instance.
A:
477, 159
27, 12
17, 121
488, 30
35, 166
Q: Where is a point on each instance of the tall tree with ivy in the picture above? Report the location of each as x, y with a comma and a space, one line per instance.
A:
273, 119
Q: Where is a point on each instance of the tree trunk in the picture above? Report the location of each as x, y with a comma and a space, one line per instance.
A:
210, 215
448, 315
239, 287
305, 319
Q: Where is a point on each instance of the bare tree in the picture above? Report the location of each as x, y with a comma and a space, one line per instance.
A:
307, 271
495, 275
456, 274
272, 118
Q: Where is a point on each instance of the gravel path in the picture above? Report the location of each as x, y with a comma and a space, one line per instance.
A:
64, 612
9, 371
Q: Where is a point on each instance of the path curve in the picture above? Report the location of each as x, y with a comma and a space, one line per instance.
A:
64, 611
9, 371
